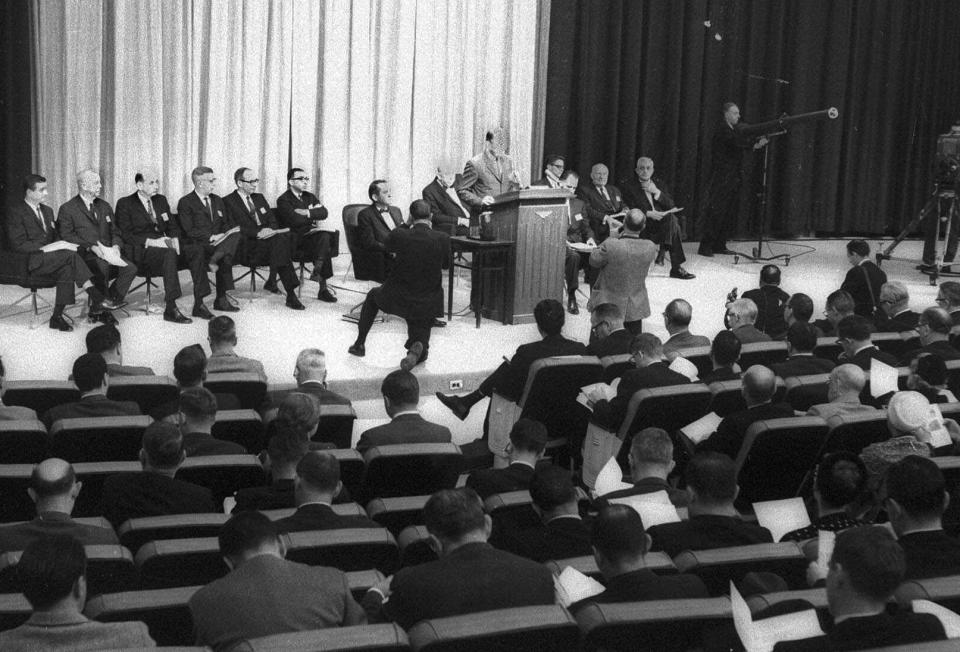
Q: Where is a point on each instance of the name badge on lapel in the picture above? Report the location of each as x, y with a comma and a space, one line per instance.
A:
163, 216
263, 211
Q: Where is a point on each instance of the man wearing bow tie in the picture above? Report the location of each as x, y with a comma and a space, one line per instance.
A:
87, 221
376, 222
302, 212
604, 203
488, 174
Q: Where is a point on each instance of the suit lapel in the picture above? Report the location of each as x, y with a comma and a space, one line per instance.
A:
492, 167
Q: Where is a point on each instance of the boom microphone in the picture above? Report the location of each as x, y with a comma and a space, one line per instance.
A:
784, 121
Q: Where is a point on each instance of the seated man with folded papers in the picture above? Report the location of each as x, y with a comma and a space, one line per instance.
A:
840, 480
651, 462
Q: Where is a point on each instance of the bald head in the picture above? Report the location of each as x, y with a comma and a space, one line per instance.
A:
846, 380
759, 384
147, 180
634, 220
54, 486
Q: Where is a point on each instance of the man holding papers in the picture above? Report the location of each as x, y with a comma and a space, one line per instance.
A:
934, 328
651, 461
840, 479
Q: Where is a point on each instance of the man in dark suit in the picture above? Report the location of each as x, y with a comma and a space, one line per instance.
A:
316, 483
31, 230
801, 340
303, 213
661, 227
197, 412
105, 341
510, 378
608, 335
528, 439
87, 221
265, 594
724, 354
151, 237
263, 242
310, 372
375, 223
414, 288
90, 377
205, 224
401, 395
894, 314
54, 489
470, 575
154, 491
864, 280
604, 203
934, 327
759, 385
190, 370
799, 307
948, 298
853, 333
651, 462
285, 448
771, 302
839, 305
676, 319
450, 213
488, 174
740, 318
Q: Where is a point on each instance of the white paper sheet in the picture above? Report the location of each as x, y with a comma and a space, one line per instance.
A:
883, 378
762, 635
782, 516
949, 619
651, 509
702, 427
610, 478
825, 542
683, 366
57, 246
573, 586
939, 435
111, 255
220, 237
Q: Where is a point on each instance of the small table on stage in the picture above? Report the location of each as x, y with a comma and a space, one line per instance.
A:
489, 256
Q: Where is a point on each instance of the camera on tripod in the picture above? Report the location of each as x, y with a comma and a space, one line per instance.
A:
947, 169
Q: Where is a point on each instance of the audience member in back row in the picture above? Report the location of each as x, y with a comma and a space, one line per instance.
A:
724, 354
53, 577
853, 334
799, 308
154, 491
284, 451
105, 340
190, 370
934, 327
676, 319
90, 377
843, 391
528, 439
770, 301
12, 412
894, 315
469, 576
310, 372
651, 462
839, 481
197, 414
222, 336
740, 318
54, 489
714, 522
608, 336
265, 594
928, 375
401, 396
801, 340
839, 305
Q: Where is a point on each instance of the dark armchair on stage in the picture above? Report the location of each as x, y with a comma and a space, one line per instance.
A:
14, 271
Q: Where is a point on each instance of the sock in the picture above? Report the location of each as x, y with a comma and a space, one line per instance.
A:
96, 296
57, 311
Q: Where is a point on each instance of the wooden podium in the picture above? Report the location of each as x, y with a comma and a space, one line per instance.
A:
536, 220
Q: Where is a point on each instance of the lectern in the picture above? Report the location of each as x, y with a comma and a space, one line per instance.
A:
536, 220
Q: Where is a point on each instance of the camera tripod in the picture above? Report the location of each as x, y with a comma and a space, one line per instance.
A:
934, 205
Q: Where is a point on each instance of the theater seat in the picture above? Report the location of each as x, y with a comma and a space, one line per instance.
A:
93, 475
352, 468
109, 569
670, 408
765, 353
138, 531
39, 395
700, 357
98, 439
410, 469
249, 388
614, 366
14, 610
718, 567
507, 501
360, 581
164, 611
397, 513
828, 348
543, 628
369, 638
15, 503
803, 392
242, 427
343, 509
896, 344
944, 591
728, 397
414, 549
223, 474
179, 562
23, 442
347, 549
658, 562
149, 392
760, 602
855, 431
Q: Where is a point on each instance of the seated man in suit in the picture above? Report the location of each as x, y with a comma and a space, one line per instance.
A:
839, 481
31, 230
801, 341
303, 213
948, 298
839, 305
488, 174
843, 391
285, 449
105, 341
676, 319
740, 318
469, 576
759, 386
401, 396
376, 222
206, 225
190, 371
865, 569
608, 336
90, 377
154, 491
853, 335
87, 221
53, 489
604, 203
799, 308
724, 354
316, 483
651, 462
197, 414
310, 373
301, 412
151, 238
714, 522
528, 440
510, 378
52, 573
222, 337
928, 375
12, 412
449, 212
894, 314
264, 593
864, 280
934, 327
263, 243
771, 302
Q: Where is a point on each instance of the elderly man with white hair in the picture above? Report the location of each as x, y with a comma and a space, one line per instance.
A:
449, 212
895, 315
310, 373
740, 318
604, 203
843, 393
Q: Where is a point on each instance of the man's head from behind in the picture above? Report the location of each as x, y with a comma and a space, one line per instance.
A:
300, 412
742, 312
605, 319
52, 573
839, 305
634, 221
934, 324
311, 366
677, 314
846, 380
725, 349
549, 316
770, 275
798, 308
866, 568
54, 486
104, 339
198, 409
857, 250
802, 337
221, 333
420, 211
651, 454
893, 297
247, 535
285, 448
162, 448
619, 540
401, 392
90, 372
646, 349
711, 480
839, 479
759, 385
318, 478
916, 494
528, 439
853, 333
552, 491
190, 366
455, 517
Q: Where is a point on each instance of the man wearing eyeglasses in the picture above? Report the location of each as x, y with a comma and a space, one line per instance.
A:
948, 298
608, 336
895, 315
302, 212
263, 241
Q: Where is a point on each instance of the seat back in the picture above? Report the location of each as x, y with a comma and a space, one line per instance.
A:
658, 562
168, 563
718, 567
352, 468
953, 377
507, 501
223, 475
550, 395
945, 591
855, 431
615, 365
109, 569
248, 387
776, 456
165, 612
828, 348
369, 638
765, 353
98, 439
149, 392
896, 344
699, 356
367, 266
15, 502
93, 475
410, 469
803, 392
23, 442
242, 427
728, 398
14, 610
137, 531
398, 512
347, 549
670, 408
533, 629
39, 395
759, 602
414, 549
336, 425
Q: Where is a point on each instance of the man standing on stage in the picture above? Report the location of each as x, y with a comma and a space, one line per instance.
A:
489, 173
724, 194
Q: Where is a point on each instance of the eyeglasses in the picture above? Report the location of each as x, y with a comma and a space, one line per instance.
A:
883, 301
301, 179
559, 166
594, 328
250, 180
940, 300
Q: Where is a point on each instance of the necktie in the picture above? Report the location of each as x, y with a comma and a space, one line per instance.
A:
153, 216
43, 222
253, 211
206, 203
603, 191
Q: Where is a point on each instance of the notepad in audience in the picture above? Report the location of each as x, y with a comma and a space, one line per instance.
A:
883, 378
702, 427
782, 516
825, 542
939, 435
762, 635
610, 479
650, 508
683, 366
949, 619
573, 586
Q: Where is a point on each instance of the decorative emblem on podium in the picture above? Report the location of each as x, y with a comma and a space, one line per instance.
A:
544, 214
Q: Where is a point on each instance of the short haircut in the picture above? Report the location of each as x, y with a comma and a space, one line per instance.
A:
609, 312
759, 383
550, 158
841, 301
679, 312
918, 486
292, 172
725, 348
745, 309
529, 435
895, 291
617, 533
104, 337
88, 371
728, 105
222, 329
30, 181
45, 487
840, 478
634, 220
163, 444
286, 445
300, 411
551, 487
648, 344
198, 172
374, 188
849, 377
872, 560
713, 476
802, 306
937, 319
312, 359
401, 387
198, 403
802, 336
189, 365
138, 178
931, 369
770, 275
246, 531
319, 470
858, 247
453, 513
549, 315
951, 292
652, 446
49, 568
855, 328
419, 210
239, 174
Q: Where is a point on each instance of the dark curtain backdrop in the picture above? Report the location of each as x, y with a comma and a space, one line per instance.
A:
15, 144
648, 77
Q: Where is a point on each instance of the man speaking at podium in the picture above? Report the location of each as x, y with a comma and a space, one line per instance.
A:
488, 174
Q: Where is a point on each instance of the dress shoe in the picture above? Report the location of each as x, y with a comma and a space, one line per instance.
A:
438, 323
60, 324
201, 311
572, 306
223, 305
272, 288
174, 315
455, 405
706, 253
101, 317
326, 295
412, 359
293, 302
358, 350
681, 273
660, 256
727, 252
109, 304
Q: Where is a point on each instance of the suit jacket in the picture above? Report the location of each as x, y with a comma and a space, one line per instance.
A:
278, 495
624, 263
942, 348
617, 343
678, 497
82, 227
445, 211
95, 405
404, 429
729, 435
643, 584
134, 495
685, 340
239, 214
136, 226
930, 554
16, 537
802, 365
598, 207
325, 395
114, 369
863, 283
868, 632
487, 482
372, 229
748, 334
484, 175
635, 197
770, 300
44, 631
288, 203
827, 410
199, 444
863, 357
561, 538
225, 363
26, 235
268, 595
657, 374
706, 532
414, 288
315, 516
224, 402
474, 577
197, 222
515, 377
904, 321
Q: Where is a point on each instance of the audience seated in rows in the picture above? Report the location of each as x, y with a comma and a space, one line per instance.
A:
197, 414
264, 593
190, 370
310, 373
105, 341
843, 390
740, 318
839, 305
651, 462
528, 439
799, 308
928, 375
12, 412
401, 396
724, 354
222, 337
676, 319
839, 483
934, 327
853, 335
895, 315
770, 301
90, 377
284, 451
608, 336
801, 340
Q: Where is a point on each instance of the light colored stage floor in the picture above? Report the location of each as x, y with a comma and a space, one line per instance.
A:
274, 334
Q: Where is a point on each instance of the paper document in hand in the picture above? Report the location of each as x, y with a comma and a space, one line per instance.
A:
702, 427
58, 246
683, 366
939, 435
883, 378
581, 247
782, 516
220, 237
825, 542
111, 255
762, 635
573, 586
652, 510
610, 479
675, 209
322, 228
949, 619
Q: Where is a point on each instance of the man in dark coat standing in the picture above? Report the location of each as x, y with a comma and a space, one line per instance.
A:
414, 289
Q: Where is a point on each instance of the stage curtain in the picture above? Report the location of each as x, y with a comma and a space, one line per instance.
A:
642, 77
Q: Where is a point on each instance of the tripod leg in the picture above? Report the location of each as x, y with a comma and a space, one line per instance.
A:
927, 208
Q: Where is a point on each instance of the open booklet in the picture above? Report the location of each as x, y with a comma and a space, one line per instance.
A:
702, 427
263, 234
762, 635
590, 393
572, 586
782, 516
220, 237
111, 255
164, 243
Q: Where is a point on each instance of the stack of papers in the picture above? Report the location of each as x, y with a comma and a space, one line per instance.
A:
601, 390
220, 237
702, 427
683, 366
610, 479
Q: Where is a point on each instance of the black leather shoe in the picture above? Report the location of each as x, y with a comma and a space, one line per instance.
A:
272, 288
455, 405
705, 252
201, 311
101, 317
358, 350
174, 315
293, 302
681, 273
223, 305
60, 324
438, 323
660, 256
110, 304
412, 359
572, 306
327, 295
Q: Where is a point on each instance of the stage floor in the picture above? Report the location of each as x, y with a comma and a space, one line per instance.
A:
459, 352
